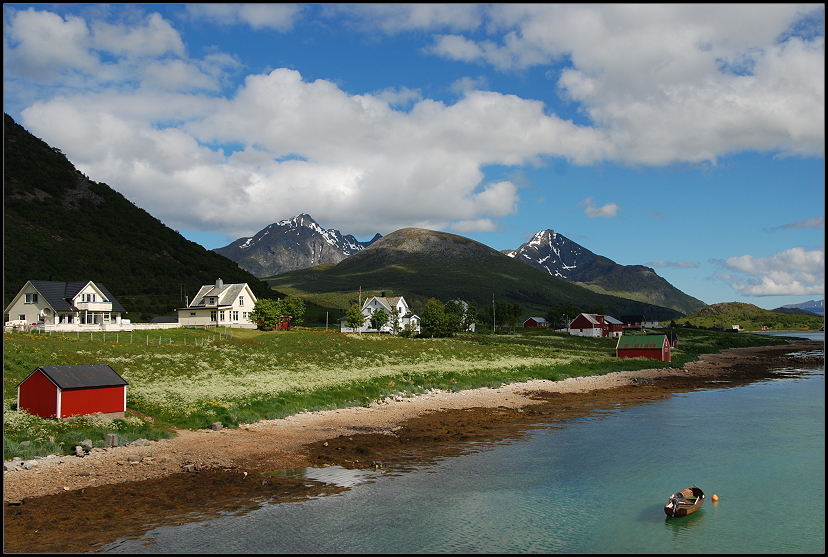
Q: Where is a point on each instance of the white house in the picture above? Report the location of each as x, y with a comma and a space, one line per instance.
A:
66, 306
220, 305
390, 305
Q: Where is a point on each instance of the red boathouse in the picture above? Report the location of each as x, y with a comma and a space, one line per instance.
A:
655, 347
64, 391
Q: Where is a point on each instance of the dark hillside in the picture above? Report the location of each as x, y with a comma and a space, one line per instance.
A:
60, 224
422, 264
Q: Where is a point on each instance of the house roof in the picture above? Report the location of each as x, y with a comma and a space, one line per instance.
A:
592, 318
59, 294
389, 301
537, 319
639, 342
82, 376
226, 294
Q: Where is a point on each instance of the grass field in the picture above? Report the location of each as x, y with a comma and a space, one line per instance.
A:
189, 378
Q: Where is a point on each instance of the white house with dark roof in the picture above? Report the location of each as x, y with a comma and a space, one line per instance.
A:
66, 306
220, 305
389, 304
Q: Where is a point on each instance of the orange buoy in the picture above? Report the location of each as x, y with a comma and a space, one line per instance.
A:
714, 497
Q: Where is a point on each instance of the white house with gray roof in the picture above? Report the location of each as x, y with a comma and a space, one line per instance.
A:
220, 305
392, 305
66, 306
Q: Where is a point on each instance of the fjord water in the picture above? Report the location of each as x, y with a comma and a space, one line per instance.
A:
597, 484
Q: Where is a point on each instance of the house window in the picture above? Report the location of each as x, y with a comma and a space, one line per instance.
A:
21, 317
192, 314
31, 298
211, 301
241, 300
213, 315
221, 316
244, 315
234, 315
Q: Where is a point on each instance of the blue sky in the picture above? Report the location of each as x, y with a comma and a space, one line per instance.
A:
689, 138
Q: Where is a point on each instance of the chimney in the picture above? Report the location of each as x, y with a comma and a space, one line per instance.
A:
383, 294
219, 283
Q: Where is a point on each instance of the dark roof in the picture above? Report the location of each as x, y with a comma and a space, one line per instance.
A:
59, 293
82, 376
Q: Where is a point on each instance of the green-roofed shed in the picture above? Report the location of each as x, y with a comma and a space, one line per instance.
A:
655, 347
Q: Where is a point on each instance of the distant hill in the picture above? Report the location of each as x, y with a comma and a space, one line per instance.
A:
420, 264
287, 245
60, 224
750, 317
561, 257
813, 306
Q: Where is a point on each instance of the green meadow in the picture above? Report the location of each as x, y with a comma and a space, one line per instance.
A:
186, 378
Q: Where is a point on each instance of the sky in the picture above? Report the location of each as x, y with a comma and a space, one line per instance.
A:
688, 138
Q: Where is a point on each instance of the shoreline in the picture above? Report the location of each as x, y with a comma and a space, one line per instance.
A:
67, 504
280, 444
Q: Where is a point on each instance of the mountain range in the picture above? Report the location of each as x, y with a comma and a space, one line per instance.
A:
421, 264
291, 244
813, 306
300, 243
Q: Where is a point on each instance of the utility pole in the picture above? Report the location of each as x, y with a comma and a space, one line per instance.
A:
494, 314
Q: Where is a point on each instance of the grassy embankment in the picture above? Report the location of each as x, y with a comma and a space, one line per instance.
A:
201, 377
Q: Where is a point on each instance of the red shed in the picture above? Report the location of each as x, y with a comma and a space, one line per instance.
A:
655, 347
63, 391
535, 322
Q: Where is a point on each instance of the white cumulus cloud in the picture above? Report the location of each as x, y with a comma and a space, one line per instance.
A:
791, 272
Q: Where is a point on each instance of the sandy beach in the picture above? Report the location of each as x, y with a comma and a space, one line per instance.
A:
207, 471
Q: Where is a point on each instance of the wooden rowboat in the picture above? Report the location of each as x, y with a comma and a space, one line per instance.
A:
686, 501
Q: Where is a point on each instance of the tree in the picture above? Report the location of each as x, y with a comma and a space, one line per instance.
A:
354, 317
433, 321
266, 314
379, 318
597, 309
395, 320
294, 308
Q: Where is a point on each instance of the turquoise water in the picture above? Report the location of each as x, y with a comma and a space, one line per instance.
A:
595, 485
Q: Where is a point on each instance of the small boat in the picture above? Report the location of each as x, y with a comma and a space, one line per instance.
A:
686, 501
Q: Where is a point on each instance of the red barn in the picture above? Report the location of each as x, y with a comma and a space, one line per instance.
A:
535, 322
655, 347
64, 391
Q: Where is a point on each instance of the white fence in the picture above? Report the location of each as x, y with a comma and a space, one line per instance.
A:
75, 328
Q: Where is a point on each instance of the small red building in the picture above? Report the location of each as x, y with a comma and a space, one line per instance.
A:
64, 391
536, 322
655, 347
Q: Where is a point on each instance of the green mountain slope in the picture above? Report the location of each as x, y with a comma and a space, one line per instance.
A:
421, 264
60, 224
750, 317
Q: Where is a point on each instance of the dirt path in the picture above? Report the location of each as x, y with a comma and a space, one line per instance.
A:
68, 503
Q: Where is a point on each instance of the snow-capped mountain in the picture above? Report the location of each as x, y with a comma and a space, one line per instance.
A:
561, 257
290, 244
558, 256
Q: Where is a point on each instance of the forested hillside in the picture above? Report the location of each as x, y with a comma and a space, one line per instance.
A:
60, 224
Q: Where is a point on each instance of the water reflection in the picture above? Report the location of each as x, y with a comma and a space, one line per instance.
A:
333, 475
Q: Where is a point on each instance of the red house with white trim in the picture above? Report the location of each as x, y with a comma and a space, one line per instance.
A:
594, 325
64, 391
